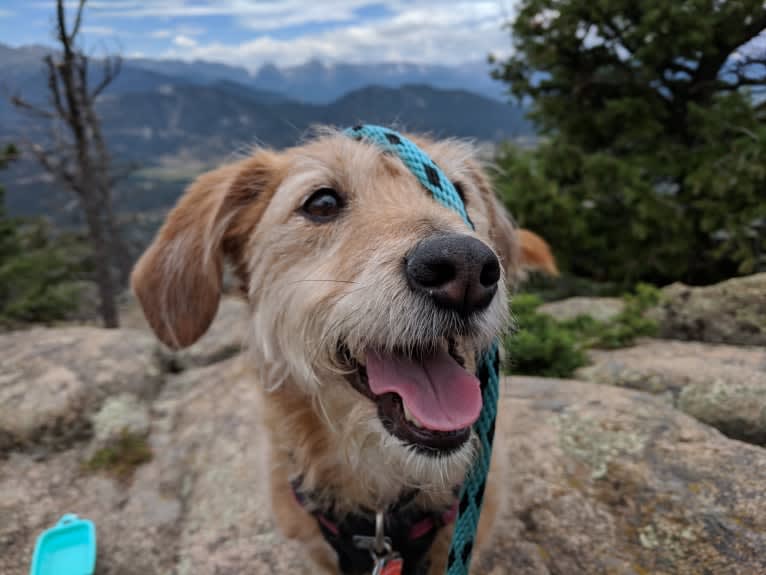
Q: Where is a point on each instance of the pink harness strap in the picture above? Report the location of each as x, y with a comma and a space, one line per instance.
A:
428, 524
418, 530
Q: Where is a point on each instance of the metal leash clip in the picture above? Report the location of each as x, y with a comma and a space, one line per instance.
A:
385, 560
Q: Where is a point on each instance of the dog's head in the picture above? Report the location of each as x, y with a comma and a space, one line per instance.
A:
366, 294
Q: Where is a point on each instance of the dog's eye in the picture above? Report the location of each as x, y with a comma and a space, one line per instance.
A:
323, 205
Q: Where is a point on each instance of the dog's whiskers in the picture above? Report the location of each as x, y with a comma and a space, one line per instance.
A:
332, 329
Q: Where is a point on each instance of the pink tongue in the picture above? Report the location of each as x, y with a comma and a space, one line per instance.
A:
437, 391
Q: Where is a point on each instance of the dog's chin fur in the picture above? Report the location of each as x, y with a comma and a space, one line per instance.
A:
297, 358
335, 439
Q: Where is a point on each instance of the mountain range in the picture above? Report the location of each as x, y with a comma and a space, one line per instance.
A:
320, 83
159, 111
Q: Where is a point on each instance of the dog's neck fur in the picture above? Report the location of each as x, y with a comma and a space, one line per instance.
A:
304, 446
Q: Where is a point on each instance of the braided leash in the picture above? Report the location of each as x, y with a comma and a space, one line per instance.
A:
432, 178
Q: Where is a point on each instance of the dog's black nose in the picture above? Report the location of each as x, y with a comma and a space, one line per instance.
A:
459, 272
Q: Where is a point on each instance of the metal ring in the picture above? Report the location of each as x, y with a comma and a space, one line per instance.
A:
380, 536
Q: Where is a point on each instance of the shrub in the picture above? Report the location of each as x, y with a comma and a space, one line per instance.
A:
540, 345
544, 346
40, 271
566, 286
122, 458
40, 277
631, 323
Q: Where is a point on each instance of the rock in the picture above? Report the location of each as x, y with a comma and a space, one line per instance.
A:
52, 379
201, 505
131, 314
737, 409
599, 308
607, 480
724, 386
136, 524
224, 339
122, 413
601, 480
732, 312
87, 304
228, 526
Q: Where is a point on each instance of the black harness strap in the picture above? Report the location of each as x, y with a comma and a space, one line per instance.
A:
411, 530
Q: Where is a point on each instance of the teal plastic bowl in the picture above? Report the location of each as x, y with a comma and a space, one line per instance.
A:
69, 548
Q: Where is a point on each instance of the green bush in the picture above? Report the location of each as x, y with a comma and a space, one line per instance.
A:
40, 272
631, 323
566, 286
544, 346
600, 214
540, 345
40, 281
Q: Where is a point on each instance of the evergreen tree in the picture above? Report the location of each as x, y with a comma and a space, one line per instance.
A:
39, 274
653, 115
8, 240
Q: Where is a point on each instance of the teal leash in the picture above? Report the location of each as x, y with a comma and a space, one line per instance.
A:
472, 494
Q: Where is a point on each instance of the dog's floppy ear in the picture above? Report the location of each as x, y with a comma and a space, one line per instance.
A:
536, 253
178, 279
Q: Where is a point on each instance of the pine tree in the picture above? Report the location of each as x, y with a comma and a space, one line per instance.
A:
654, 122
39, 274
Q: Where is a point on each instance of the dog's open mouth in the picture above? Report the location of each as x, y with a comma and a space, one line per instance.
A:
428, 400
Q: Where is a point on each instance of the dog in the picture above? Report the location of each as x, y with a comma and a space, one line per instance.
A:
361, 288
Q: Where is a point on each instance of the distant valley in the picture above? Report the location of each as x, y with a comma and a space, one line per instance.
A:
173, 119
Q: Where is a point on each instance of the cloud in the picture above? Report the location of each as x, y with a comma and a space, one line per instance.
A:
188, 31
99, 31
418, 31
184, 41
5, 13
260, 15
269, 15
426, 32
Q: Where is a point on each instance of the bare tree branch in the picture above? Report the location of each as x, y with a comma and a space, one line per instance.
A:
81, 67
31, 108
53, 87
57, 169
77, 21
112, 68
78, 157
61, 31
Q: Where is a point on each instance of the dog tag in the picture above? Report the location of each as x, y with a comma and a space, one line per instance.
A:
384, 560
389, 565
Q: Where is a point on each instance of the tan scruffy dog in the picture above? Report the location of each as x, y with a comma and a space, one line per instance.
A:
368, 302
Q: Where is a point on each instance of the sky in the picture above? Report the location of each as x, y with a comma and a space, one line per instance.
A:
250, 33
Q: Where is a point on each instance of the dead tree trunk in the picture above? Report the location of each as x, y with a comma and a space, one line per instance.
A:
102, 251
78, 158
